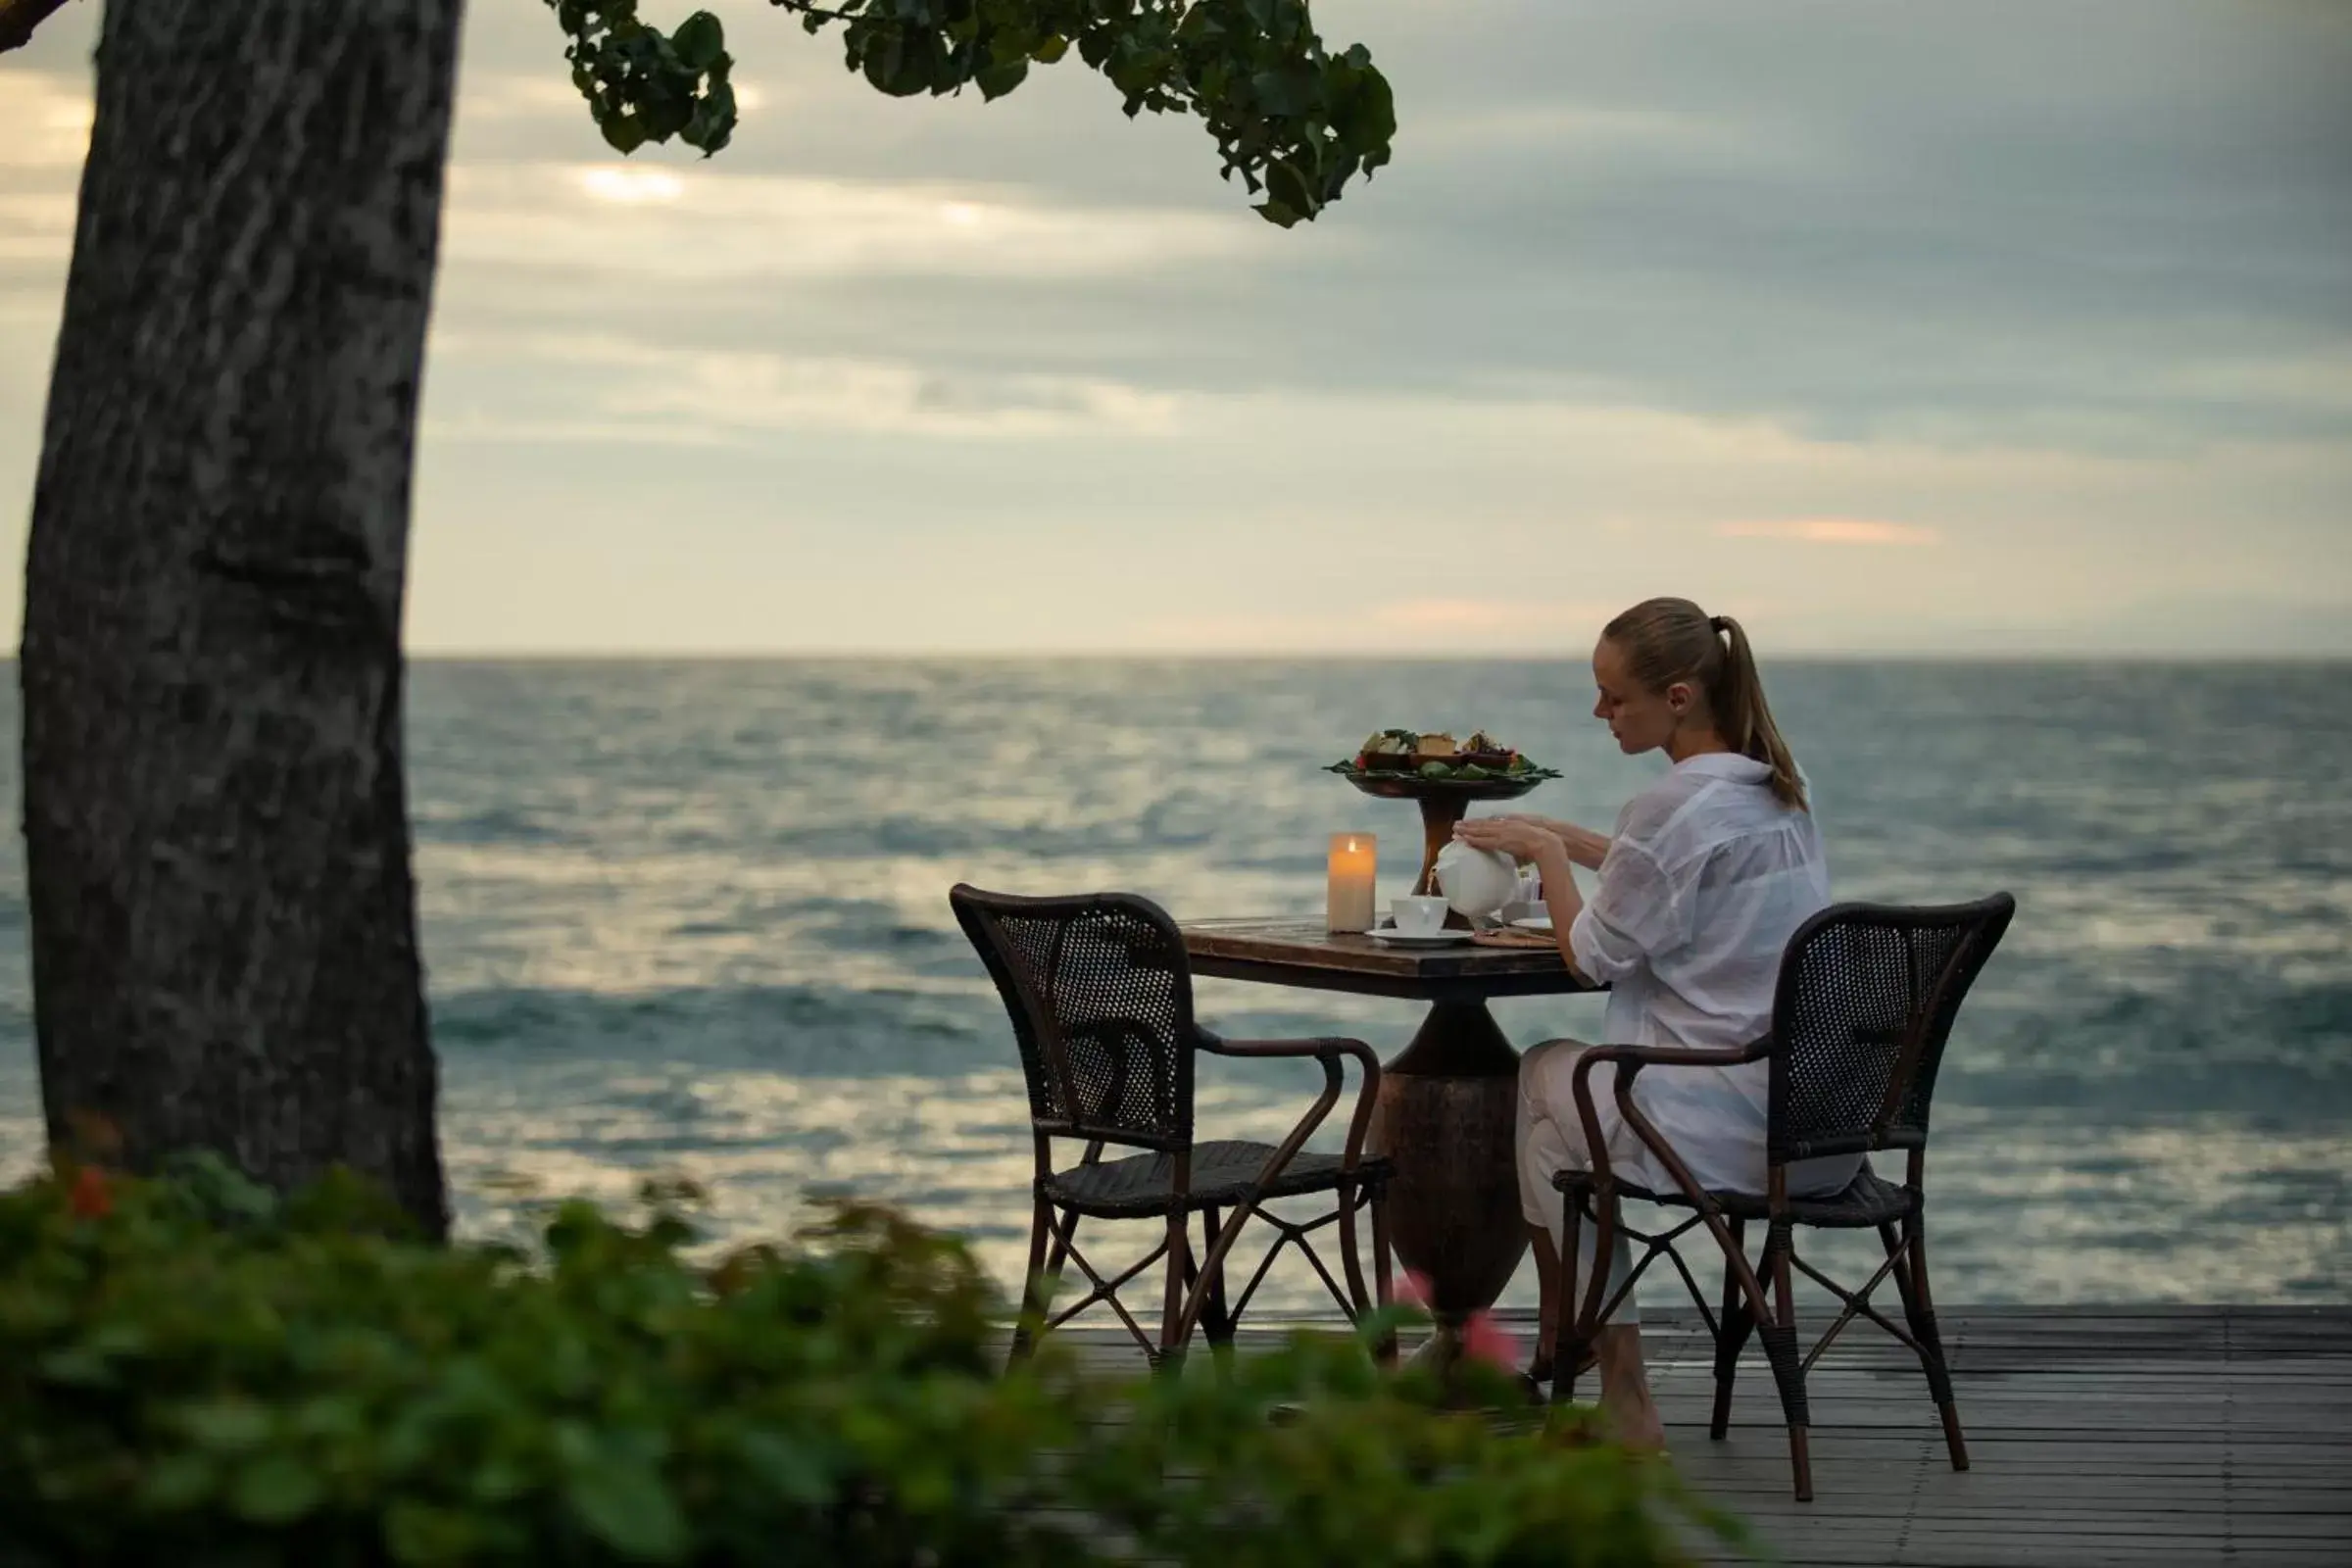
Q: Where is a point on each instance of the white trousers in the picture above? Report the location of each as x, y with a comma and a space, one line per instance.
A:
1551, 1138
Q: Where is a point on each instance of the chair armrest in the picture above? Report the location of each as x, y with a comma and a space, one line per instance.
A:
1327, 1050
1630, 1059
1641, 1056
1317, 1046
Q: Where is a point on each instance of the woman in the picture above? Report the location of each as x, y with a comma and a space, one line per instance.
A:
1709, 873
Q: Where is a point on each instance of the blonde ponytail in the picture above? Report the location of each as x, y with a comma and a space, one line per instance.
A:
1666, 640
1744, 717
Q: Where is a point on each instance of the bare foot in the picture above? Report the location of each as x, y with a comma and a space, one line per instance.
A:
1635, 1425
1625, 1399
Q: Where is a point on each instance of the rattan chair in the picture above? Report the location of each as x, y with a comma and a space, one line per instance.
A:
1865, 1004
1101, 997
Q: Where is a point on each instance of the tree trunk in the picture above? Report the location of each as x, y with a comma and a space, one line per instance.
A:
224, 921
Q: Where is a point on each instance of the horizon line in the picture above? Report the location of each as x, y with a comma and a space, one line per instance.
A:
1356, 655
1805, 655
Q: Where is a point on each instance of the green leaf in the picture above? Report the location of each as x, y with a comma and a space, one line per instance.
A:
176, 1482
1289, 92
928, 67
226, 1426
1288, 187
1365, 116
77, 1367
425, 1536
276, 1488
884, 62
631, 1510
664, 117
791, 1468
713, 122
497, 1482
626, 133
116, 1341
1049, 48
700, 42
329, 1416
995, 80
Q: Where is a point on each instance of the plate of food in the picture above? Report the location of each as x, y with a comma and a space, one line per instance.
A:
1417, 759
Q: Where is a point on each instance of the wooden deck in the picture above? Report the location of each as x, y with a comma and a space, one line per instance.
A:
2120, 1437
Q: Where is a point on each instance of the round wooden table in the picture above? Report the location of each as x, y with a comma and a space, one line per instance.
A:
1446, 1102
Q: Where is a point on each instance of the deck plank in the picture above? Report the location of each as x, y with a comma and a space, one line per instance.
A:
2100, 1437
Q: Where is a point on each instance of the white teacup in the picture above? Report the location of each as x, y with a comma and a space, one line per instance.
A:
1418, 914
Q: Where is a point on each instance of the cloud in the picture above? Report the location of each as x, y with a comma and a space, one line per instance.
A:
1417, 626
1487, 617
48, 123
637, 392
543, 98
1831, 531
718, 228
35, 226
1659, 138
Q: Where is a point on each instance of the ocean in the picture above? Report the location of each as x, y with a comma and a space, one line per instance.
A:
690, 917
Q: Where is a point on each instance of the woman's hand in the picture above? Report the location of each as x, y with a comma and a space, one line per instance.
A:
1534, 841
1519, 837
1585, 846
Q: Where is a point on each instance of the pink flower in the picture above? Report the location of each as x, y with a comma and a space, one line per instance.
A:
1484, 1338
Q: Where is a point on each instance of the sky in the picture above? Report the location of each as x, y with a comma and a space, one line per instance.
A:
1993, 328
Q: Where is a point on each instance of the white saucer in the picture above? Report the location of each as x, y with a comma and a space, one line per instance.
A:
1532, 922
1390, 936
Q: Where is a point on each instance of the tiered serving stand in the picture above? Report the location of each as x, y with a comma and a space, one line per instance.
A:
1444, 802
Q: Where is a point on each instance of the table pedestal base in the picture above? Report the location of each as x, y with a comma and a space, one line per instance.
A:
1445, 1115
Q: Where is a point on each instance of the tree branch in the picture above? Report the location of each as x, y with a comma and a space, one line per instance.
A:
18, 19
1296, 121
803, 8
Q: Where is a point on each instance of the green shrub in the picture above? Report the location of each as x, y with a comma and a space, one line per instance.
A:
193, 1372
1363, 1468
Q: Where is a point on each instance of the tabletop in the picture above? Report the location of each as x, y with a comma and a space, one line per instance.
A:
1301, 953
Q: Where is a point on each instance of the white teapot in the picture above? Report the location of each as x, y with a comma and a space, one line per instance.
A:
1476, 883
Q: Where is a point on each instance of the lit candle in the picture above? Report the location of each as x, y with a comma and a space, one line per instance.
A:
1349, 896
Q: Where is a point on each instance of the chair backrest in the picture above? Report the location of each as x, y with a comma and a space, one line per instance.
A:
1867, 997
1102, 1003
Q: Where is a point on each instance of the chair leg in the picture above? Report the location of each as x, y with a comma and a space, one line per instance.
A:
1384, 1290
1066, 1236
1732, 1329
1351, 1263
1037, 1282
1171, 1322
1787, 1369
1547, 1303
1571, 1340
1919, 1310
1216, 1323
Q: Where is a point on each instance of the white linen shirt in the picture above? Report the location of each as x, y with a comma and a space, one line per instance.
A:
1707, 878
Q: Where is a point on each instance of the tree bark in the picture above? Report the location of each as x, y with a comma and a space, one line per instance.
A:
224, 920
